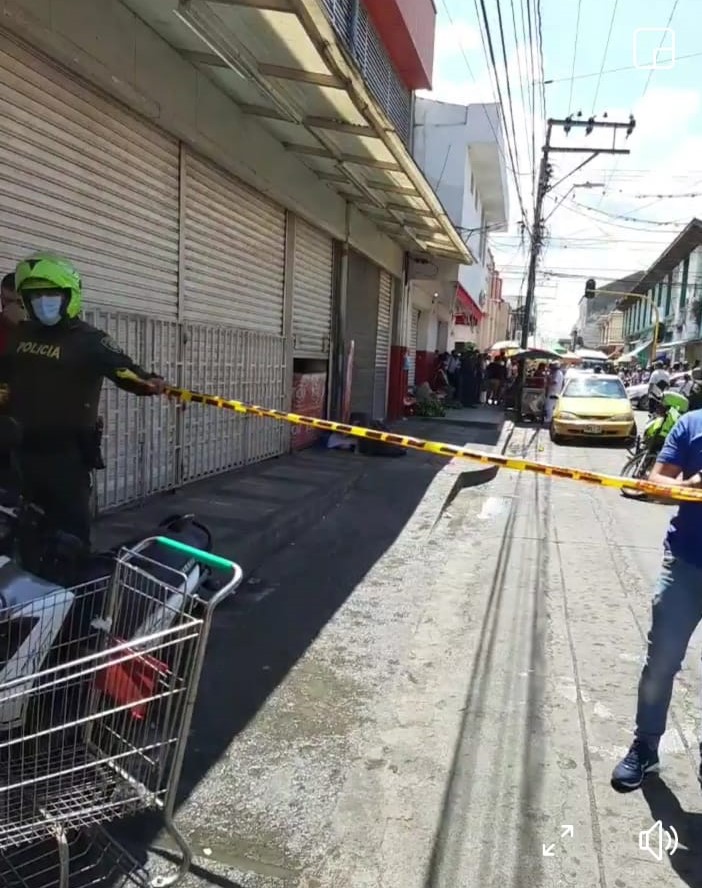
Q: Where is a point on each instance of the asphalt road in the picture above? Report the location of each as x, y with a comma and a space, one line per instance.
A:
551, 698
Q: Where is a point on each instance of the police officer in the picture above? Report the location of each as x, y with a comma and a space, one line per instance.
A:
53, 369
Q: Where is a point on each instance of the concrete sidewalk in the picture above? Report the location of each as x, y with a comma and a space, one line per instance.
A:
255, 511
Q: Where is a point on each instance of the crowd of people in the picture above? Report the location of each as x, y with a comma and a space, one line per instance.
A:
652, 373
472, 378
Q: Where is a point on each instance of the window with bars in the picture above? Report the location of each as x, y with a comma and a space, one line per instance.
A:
366, 47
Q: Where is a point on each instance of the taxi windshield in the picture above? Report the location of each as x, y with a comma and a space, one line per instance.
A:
592, 387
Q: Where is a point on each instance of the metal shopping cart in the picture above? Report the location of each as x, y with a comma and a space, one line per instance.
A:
98, 731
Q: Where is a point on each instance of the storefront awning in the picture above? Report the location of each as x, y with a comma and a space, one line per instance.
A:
283, 63
466, 307
634, 353
667, 346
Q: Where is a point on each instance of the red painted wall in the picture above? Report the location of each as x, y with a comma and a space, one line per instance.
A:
424, 367
407, 29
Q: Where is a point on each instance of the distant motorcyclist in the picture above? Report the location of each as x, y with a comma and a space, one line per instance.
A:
53, 370
655, 396
658, 377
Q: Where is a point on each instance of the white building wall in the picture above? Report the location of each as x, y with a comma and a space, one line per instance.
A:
452, 144
104, 42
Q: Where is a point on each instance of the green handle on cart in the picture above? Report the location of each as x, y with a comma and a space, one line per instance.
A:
207, 558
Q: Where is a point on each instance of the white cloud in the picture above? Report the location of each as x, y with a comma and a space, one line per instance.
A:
454, 41
582, 239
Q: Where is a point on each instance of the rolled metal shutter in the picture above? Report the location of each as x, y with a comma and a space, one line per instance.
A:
85, 178
414, 325
382, 346
312, 291
234, 271
234, 251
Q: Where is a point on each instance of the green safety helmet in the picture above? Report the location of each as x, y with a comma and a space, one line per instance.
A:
45, 271
676, 400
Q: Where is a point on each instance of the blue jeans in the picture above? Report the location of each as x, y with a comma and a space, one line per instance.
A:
676, 612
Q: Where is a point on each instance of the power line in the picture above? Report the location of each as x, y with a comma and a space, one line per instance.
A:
527, 86
511, 165
630, 218
540, 46
571, 209
604, 55
599, 74
575, 55
489, 52
507, 78
645, 90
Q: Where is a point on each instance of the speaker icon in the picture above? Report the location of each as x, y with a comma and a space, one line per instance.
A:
659, 841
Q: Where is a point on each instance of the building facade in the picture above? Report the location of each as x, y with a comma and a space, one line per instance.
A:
234, 182
461, 151
495, 323
586, 333
611, 332
672, 291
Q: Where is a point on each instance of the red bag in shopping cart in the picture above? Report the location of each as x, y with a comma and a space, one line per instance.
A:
131, 681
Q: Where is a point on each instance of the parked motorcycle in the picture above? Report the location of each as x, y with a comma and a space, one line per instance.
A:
667, 410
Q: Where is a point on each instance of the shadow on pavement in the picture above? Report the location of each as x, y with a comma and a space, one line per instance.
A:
258, 638
686, 862
455, 820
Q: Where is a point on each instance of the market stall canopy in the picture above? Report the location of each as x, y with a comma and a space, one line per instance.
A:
537, 354
569, 357
505, 345
591, 354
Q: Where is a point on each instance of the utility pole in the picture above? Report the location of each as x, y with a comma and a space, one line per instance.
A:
544, 186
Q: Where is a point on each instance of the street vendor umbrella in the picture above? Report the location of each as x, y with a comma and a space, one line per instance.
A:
568, 357
591, 354
505, 345
537, 354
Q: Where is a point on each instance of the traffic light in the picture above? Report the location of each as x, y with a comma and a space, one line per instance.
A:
590, 288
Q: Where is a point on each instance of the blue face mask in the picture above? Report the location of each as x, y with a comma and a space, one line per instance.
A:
47, 309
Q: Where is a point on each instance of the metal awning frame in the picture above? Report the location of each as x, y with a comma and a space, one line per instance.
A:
404, 222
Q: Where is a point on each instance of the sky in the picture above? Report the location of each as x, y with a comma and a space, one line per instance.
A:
597, 59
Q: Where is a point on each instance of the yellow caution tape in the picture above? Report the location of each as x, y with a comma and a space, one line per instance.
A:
685, 494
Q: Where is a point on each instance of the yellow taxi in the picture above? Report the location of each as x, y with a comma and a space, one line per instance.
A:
593, 405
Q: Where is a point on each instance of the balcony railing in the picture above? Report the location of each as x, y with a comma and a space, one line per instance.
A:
352, 23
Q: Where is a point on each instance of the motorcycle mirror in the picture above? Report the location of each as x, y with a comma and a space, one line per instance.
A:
10, 434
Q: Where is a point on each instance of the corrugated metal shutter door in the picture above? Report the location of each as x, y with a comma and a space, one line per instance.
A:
233, 301
414, 325
86, 178
312, 291
382, 346
234, 252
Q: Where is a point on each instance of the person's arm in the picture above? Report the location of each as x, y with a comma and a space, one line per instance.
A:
115, 364
673, 458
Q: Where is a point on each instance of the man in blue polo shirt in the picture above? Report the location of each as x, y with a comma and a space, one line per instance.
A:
677, 602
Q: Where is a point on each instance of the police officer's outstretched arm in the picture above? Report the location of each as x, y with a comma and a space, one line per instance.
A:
115, 364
